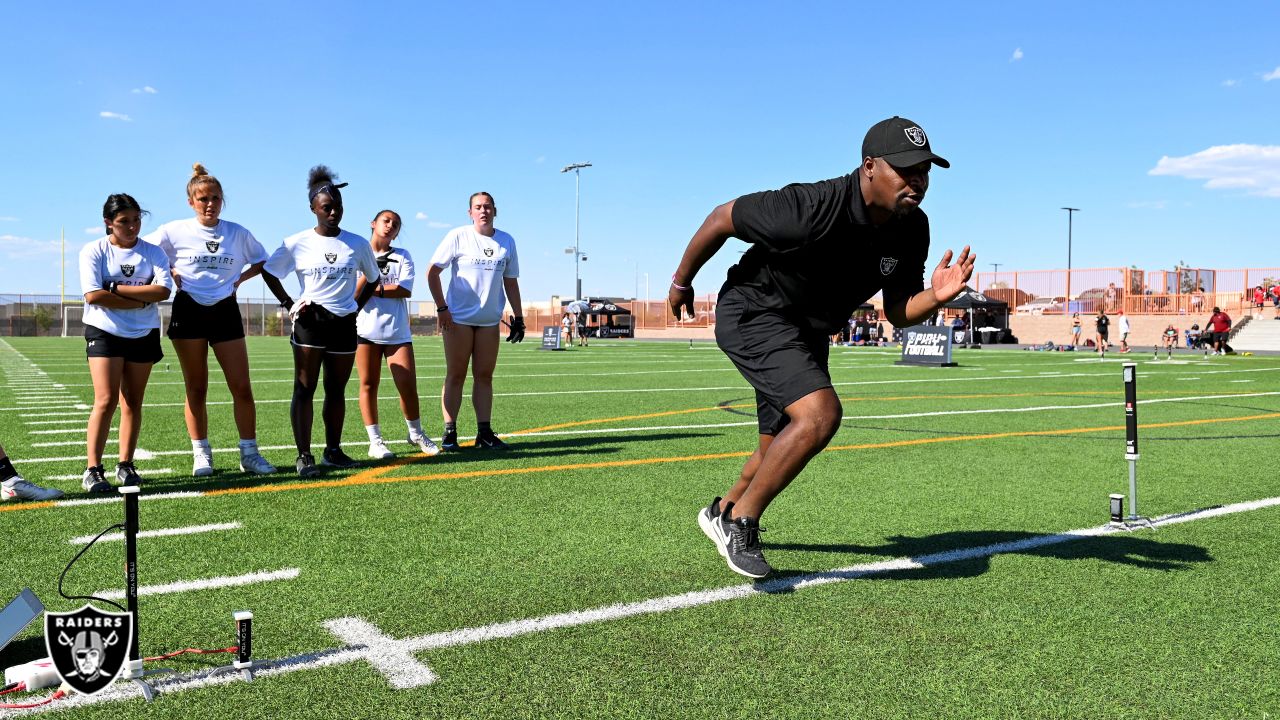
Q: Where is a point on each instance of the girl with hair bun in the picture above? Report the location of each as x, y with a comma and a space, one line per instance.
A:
328, 261
382, 330
122, 280
209, 258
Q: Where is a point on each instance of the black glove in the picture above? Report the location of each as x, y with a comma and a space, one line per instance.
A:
383, 261
517, 330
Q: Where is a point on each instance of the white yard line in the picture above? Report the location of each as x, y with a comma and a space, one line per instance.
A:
215, 583
109, 499
64, 421
163, 532
396, 659
61, 431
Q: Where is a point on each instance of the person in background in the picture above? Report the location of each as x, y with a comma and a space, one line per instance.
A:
1170, 339
1125, 327
14, 487
208, 259
1102, 325
122, 280
485, 270
566, 325
382, 331
327, 261
1076, 329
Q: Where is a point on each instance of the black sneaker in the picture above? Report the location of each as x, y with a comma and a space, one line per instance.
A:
450, 441
742, 548
712, 524
307, 466
127, 474
490, 441
95, 480
334, 457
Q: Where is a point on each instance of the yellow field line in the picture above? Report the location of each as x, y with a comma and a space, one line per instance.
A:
377, 476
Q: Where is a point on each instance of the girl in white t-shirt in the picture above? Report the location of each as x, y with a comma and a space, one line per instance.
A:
327, 261
382, 330
485, 271
209, 258
122, 279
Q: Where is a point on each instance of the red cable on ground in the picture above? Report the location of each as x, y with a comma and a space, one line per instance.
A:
15, 687
24, 706
195, 651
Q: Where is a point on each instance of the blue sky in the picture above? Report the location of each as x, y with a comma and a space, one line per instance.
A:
1161, 121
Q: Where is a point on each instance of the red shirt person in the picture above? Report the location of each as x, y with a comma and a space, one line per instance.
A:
1219, 325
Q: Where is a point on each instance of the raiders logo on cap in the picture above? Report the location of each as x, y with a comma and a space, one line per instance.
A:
887, 264
88, 647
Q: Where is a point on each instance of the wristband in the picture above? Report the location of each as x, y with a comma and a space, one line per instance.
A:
677, 285
111, 286
381, 291
286, 303
442, 308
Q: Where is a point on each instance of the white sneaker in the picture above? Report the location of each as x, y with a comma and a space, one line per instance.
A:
378, 450
202, 465
256, 464
15, 488
424, 444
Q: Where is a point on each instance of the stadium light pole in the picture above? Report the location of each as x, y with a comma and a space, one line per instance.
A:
577, 205
1070, 214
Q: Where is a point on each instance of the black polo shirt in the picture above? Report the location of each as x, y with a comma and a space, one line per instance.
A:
815, 256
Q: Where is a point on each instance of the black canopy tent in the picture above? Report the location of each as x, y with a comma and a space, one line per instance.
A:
610, 318
972, 302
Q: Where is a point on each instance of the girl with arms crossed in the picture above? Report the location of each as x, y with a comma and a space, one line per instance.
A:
209, 258
122, 279
382, 330
327, 261
485, 271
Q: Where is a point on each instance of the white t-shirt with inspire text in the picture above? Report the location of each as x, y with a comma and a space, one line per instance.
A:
385, 321
475, 295
326, 267
208, 260
142, 264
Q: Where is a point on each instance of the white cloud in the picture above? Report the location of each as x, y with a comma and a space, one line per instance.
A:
1230, 83
114, 116
12, 246
1017, 55
96, 230
541, 159
1273, 75
1253, 168
430, 223
145, 89
420, 216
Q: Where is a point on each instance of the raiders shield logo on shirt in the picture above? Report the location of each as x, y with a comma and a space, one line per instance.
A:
211, 245
488, 252
128, 270
88, 647
330, 257
887, 265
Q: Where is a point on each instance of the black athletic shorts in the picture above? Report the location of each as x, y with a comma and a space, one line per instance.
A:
316, 327
216, 323
782, 360
100, 343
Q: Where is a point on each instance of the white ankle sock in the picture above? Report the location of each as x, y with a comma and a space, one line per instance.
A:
249, 447
415, 428
375, 432
201, 446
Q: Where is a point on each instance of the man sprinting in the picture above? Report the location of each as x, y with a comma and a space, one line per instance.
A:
818, 251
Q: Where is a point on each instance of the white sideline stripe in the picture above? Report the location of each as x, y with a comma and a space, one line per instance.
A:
394, 658
164, 532
55, 422
182, 495
141, 454
216, 583
61, 431
69, 442
1240, 381
60, 413
149, 472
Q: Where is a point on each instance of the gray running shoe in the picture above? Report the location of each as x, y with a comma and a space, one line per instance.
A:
743, 551
127, 474
424, 444
306, 466
256, 464
95, 480
334, 457
713, 525
16, 488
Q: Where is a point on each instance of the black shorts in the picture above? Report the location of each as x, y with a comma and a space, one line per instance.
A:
319, 328
1103, 334
216, 323
100, 343
783, 361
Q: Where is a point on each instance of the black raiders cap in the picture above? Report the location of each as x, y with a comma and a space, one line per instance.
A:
900, 142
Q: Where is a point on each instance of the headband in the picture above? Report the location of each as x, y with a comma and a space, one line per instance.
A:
329, 188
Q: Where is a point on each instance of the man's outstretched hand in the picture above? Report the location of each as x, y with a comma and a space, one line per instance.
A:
950, 280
